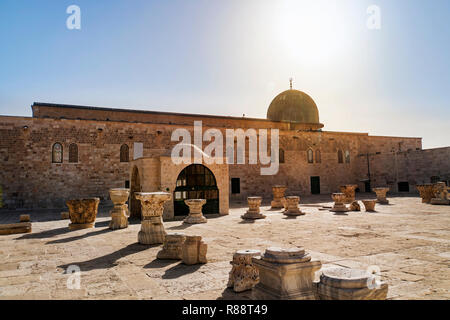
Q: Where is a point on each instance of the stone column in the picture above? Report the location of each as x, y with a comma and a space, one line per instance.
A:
292, 206
278, 194
339, 205
440, 194
173, 247
254, 210
426, 192
243, 275
349, 191
381, 195
195, 211
82, 213
350, 284
369, 205
119, 214
194, 250
285, 274
152, 228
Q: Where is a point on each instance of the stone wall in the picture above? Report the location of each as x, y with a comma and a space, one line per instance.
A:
30, 179
413, 166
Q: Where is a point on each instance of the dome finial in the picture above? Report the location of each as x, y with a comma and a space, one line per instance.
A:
290, 82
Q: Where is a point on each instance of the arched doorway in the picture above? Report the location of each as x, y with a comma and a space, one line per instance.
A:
135, 205
196, 182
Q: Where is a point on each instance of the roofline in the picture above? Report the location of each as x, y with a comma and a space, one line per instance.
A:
70, 106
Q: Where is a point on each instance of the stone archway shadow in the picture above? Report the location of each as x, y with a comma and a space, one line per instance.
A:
45, 234
83, 236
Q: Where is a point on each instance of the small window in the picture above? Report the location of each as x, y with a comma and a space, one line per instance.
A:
340, 157
73, 153
235, 185
57, 153
347, 156
310, 156
281, 156
124, 153
127, 184
318, 156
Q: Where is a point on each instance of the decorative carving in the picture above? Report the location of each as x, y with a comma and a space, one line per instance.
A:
339, 205
152, 228
349, 191
369, 205
426, 192
254, 210
82, 213
243, 275
440, 194
292, 206
381, 195
278, 194
354, 206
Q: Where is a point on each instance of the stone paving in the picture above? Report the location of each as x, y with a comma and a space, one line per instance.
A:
408, 240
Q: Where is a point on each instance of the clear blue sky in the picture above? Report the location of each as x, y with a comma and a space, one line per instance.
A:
232, 57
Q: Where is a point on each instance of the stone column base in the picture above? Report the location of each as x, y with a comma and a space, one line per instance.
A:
195, 218
253, 215
173, 247
118, 221
262, 292
79, 226
326, 292
440, 201
276, 204
339, 208
152, 231
297, 212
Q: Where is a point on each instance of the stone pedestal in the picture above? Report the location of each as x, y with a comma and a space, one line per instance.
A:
14, 228
194, 250
285, 274
82, 213
381, 195
440, 194
350, 284
244, 275
173, 247
152, 228
195, 211
339, 205
119, 214
65, 215
24, 218
278, 195
426, 192
369, 205
292, 206
254, 211
354, 206
285, 205
349, 191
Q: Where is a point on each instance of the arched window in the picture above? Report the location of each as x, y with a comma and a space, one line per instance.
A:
340, 157
318, 157
310, 156
57, 153
124, 153
347, 156
73, 153
281, 155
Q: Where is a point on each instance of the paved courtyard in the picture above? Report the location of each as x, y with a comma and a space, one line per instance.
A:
408, 240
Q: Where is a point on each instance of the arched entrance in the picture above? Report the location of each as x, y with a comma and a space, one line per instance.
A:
196, 182
135, 205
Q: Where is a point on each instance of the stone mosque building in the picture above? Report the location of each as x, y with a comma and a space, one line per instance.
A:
66, 151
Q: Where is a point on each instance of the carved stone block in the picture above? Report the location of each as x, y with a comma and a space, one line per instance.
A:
243, 275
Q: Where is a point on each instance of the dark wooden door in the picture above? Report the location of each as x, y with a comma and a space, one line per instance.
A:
315, 185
